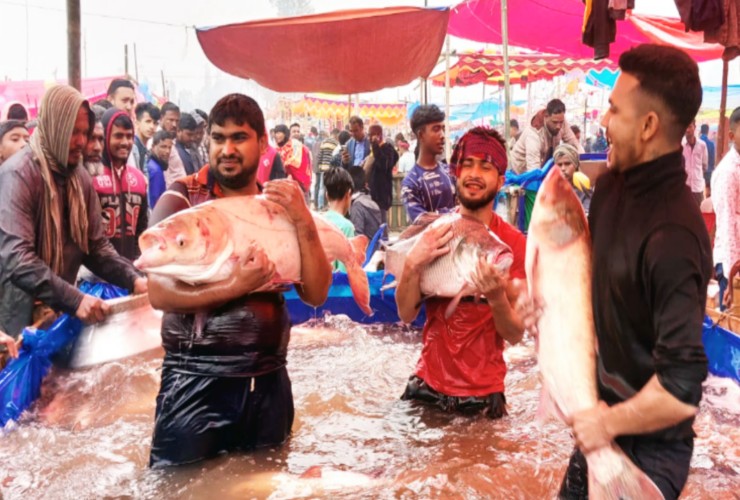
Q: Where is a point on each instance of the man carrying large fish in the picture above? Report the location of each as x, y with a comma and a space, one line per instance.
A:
224, 380
468, 268
650, 269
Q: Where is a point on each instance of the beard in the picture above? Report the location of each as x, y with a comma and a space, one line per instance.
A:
475, 204
234, 181
94, 168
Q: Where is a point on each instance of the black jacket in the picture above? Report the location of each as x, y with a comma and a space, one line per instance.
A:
21, 189
651, 264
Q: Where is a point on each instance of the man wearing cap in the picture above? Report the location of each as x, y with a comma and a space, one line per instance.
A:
567, 160
461, 367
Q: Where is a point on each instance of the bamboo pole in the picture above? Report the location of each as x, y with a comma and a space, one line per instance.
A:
74, 75
507, 82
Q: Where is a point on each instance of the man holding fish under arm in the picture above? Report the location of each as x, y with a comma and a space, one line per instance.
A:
651, 264
462, 366
225, 385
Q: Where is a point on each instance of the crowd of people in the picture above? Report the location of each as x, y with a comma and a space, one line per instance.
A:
91, 178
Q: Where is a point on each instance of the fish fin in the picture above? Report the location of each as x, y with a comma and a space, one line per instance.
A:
359, 246
392, 284
454, 303
360, 286
613, 476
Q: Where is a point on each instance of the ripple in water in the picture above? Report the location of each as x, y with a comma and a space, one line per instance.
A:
353, 437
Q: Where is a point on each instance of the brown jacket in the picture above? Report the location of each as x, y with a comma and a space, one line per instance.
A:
530, 150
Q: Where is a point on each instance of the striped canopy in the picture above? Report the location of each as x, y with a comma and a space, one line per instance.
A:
477, 67
386, 114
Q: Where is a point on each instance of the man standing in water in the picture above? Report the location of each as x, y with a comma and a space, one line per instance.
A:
50, 220
651, 265
462, 366
227, 387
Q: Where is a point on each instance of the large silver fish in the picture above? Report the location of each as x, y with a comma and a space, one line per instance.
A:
558, 265
450, 274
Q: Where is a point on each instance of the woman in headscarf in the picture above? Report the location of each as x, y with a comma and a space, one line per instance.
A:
50, 220
567, 160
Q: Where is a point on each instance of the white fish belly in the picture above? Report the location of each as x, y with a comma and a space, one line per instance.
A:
567, 356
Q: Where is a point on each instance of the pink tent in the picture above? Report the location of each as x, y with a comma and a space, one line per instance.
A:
555, 26
30, 92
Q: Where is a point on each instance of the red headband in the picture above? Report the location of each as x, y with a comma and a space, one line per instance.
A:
480, 146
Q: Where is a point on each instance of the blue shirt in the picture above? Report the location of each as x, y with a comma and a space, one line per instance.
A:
710, 152
425, 190
156, 181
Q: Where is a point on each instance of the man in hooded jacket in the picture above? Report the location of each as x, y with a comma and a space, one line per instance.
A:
50, 220
121, 187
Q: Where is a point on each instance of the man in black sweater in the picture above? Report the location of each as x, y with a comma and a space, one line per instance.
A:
651, 265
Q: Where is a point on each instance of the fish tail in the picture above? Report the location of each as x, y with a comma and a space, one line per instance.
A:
613, 476
359, 285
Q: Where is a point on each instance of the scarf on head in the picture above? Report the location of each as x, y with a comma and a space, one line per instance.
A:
569, 152
50, 146
478, 144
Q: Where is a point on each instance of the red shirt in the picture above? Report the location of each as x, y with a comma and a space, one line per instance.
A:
464, 356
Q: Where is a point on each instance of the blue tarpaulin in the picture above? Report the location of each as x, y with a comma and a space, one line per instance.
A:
340, 301
20, 380
723, 350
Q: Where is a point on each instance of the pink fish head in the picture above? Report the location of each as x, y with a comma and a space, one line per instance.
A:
193, 237
558, 216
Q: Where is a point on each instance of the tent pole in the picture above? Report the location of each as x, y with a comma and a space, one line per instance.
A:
529, 100
447, 97
722, 128
507, 82
74, 75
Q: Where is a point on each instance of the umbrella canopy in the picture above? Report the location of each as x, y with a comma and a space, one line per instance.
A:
555, 27
477, 67
342, 52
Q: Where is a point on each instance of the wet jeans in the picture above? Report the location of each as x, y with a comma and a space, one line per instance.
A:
493, 405
198, 416
723, 283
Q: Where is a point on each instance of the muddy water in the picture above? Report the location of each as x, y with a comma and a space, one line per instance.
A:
353, 438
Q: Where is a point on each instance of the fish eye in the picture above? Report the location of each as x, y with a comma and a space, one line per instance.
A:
180, 240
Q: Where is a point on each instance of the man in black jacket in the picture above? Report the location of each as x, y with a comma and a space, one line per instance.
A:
379, 171
651, 265
50, 220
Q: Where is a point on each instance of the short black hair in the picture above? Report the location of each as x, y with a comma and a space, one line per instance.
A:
314, 131
399, 137
187, 122
704, 128
169, 106
669, 75
338, 183
9, 125
202, 114
555, 107
735, 117
283, 129
344, 137
17, 111
356, 120
513, 123
123, 121
162, 135
359, 181
295, 125
576, 129
375, 129
118, 83
146, 107
98, 111
424, 115
240, 109
103, 103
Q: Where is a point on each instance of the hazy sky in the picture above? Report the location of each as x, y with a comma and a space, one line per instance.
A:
33, 38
